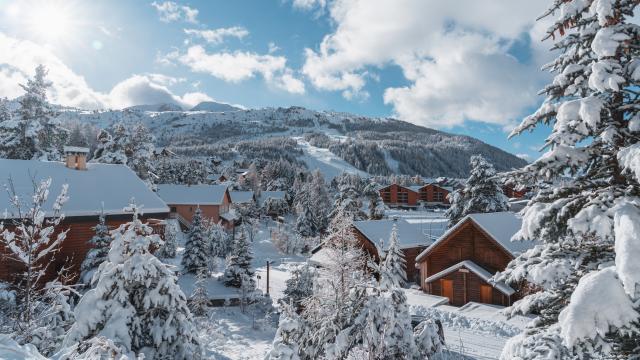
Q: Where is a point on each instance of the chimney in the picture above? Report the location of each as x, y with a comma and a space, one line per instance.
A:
76, 157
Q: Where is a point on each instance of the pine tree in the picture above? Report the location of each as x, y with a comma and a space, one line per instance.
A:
428, 339
299, 286
196, 249
588, 222
136, 301
305, 224
33, 133
169, 248
56, 317
239, 262
100, 243
376, 205
482, 193
219, 240
395, 274
199, 300
5, 113
321, 202
285, 344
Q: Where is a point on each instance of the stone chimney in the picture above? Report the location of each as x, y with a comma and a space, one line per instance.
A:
76, 157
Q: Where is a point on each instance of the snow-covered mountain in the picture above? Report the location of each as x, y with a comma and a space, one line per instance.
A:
213, 106
378, 146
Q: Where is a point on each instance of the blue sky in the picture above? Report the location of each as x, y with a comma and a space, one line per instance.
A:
470, 67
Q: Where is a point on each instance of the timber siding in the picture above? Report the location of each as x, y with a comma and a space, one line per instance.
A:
398, 196
467, 242
74, 248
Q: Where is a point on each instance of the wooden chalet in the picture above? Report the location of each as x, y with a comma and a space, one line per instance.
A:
460, 264
93, 189
395, 195
414, 238
513, 192
184, 200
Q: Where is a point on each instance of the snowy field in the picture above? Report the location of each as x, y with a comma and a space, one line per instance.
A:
329, 164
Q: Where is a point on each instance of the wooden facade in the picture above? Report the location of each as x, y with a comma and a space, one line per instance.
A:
434, 193
74, 248
210, 212
511, 192
467, 243
399, 196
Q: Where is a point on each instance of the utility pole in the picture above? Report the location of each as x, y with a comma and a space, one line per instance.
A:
268, 268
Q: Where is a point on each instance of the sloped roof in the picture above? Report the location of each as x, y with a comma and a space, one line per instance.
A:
409, 234
273, 195
476, 269
215, 177
192, 194
241, 197
500, 226
101, 185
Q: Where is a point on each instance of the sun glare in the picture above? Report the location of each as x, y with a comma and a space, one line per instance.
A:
50, 22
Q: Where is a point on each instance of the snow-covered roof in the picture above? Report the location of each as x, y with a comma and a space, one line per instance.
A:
230, 216
476, 269
501, 226
107, 186
241, 197
409, 234
192, 194
321, 258
215, 177
415, 188
281, 195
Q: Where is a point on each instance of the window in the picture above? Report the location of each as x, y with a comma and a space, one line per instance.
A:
173, 209
438, 196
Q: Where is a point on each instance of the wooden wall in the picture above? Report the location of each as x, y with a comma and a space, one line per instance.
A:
468, 242
73, 249
427, 193
390, 196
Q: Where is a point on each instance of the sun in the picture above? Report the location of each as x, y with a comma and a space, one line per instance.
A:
51, 21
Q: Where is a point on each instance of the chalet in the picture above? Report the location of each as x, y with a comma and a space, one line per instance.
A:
93, 188
183, 200
216, 178
274, 202
395, 195
414, 237
242, 197
460, 264
434, 194
513, 192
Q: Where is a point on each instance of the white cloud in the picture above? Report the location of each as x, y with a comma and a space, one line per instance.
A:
309, 4
170, 11
454, 55
19, 58
273, 47
238, 66
216, 36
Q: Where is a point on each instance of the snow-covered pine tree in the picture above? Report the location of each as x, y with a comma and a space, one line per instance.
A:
111, 147
299, 286
197, 249
5, 113
30, 242
140, 152
339, 294
169, 248
586, 266
219, 240
33, 133
348, 203
481, 194
136, 301
321, 202
305, 224
376, 205
239, 262
393, 264
285, 344
100, 243
428, 339
55, 319
199, 299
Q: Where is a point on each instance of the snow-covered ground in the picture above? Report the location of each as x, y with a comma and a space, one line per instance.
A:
474, 331
329, 164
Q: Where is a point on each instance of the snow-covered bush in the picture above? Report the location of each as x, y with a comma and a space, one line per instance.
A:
299, 286
100, 243
285, 344
136, 302
428, 338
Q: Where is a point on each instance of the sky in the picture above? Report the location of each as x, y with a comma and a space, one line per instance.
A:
467, 66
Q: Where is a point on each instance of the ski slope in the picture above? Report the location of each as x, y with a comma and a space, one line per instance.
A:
329, 164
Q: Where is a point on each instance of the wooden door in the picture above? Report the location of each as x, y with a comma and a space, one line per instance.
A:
485, 294
447, 289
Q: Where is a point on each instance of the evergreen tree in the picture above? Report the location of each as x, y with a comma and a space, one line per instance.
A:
395, 274
482, 193
299, 286
5, 113
588, 223
428, 339
33, 133
136, 301
199, 300
219, 240
168, 249
285, 344
56, 318
305, 226
376, 205
111, 147
321, 202
196, 249
239, 262
100, 243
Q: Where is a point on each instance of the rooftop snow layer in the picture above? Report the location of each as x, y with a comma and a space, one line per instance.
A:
476, 269
409, 234
241, 197
192, 194
107, 186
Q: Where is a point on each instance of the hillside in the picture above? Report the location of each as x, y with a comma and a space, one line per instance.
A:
378, 146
